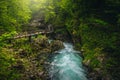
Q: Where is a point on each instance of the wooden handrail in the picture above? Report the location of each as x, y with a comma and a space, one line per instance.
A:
32, 34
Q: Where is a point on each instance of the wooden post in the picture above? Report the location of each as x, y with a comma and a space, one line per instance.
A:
29, 37
36, 36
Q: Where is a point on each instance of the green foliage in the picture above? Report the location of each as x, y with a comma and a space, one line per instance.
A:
6, 61
6, 37
24, 45
93, 25
13, 14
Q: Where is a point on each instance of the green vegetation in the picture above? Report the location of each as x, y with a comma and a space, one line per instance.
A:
13, 14
93, 25
24, 60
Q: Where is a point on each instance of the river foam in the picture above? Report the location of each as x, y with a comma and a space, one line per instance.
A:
67, 65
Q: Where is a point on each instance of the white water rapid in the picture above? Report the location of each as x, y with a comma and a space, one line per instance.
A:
67, 65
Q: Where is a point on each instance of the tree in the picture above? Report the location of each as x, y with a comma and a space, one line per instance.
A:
13, 14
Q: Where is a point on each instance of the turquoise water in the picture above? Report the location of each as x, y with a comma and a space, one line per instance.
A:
67, 65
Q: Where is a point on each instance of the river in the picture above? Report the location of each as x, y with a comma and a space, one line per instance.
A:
67, 65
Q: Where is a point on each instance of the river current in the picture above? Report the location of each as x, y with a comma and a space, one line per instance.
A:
67, 65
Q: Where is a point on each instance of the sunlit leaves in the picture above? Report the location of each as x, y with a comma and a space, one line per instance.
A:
13, 13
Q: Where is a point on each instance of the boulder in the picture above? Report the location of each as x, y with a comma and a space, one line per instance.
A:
56, 45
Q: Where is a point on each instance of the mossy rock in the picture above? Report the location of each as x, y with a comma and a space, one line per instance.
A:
56, 45
40, 43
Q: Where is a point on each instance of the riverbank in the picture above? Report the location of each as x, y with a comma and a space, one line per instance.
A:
28, 60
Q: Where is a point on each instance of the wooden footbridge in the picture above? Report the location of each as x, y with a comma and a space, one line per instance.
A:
30, 35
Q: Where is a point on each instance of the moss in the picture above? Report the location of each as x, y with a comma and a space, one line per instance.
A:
19, 60
6, 61
56, 45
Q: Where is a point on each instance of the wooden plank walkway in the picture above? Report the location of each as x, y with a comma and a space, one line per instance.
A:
49, 29
32, 34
